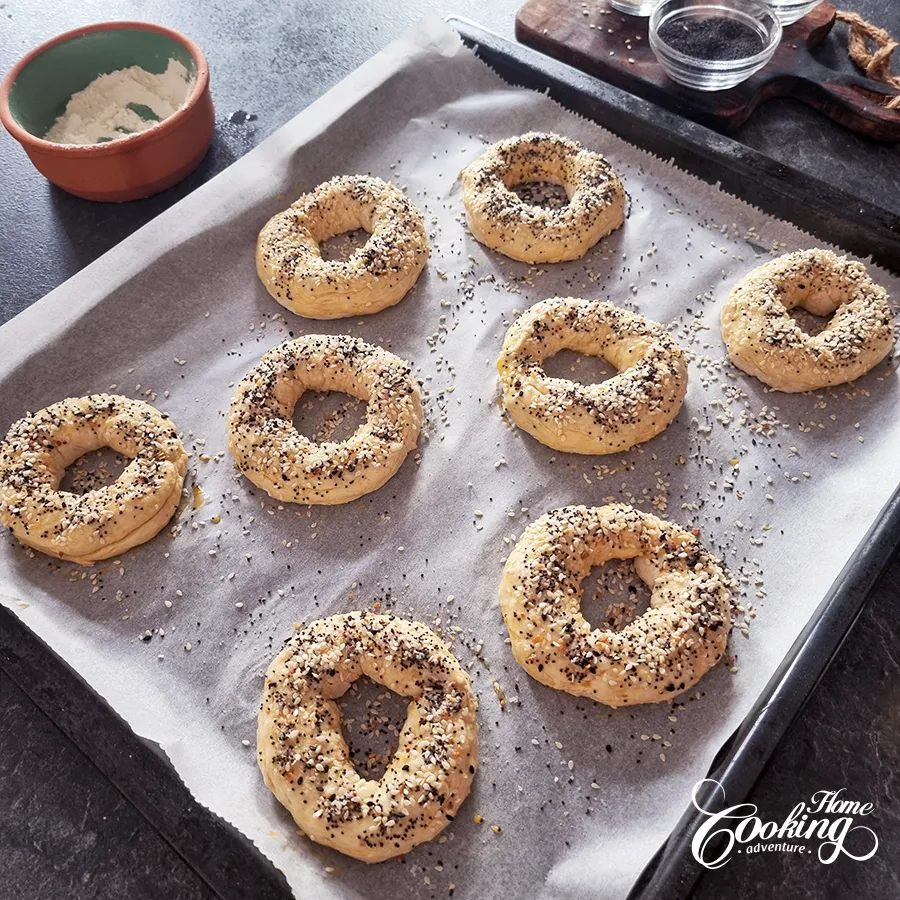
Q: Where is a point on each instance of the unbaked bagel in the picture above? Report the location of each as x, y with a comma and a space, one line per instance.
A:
271, 452
502, 221
657, 656
627, 409
764, 340
104, 522
305, 760
377, 275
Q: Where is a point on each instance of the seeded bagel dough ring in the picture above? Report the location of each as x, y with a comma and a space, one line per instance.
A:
305, 760
499, 219
287, 465
661, 653
376, 275
107, 521
614, 415
764, 340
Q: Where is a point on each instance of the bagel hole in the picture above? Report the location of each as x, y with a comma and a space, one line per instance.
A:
92, 470
543, 194
328, 415
614, 595
340, 247
809, 323
371, 720
579, 367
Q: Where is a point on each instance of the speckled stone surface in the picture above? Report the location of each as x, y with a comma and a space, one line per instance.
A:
268, 60
65, 831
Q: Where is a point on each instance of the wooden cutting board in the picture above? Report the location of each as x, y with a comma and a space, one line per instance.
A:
616, 49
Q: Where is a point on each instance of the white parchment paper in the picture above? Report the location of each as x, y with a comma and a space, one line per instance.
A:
783, 487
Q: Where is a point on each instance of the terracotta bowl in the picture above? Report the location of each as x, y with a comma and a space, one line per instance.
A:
35, 93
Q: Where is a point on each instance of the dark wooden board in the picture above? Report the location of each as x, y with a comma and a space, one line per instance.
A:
617, 50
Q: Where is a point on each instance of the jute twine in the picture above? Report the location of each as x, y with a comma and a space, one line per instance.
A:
876, 64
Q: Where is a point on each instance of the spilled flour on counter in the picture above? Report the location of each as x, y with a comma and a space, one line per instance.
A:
122, 103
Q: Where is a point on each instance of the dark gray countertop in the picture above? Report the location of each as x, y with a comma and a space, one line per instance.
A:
66, 830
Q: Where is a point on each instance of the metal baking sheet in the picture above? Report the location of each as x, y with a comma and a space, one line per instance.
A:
280, 167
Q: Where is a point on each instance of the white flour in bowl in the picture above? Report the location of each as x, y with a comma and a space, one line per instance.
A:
122, 103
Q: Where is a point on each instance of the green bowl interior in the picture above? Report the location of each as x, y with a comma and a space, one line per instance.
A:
43, 88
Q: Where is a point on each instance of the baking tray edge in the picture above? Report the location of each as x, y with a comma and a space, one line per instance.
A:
816, 206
